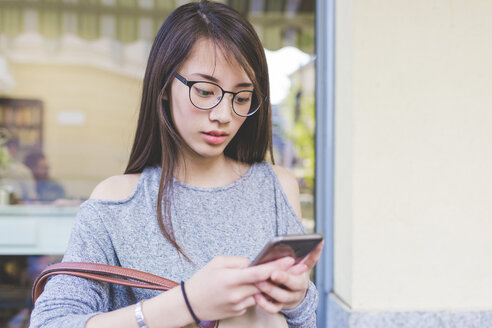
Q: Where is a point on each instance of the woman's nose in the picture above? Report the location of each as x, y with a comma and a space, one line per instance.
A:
223, 111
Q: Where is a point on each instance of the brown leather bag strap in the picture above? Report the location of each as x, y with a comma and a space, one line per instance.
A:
102, 272
107, 273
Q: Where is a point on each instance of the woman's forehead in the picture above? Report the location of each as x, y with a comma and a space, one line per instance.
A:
209, 59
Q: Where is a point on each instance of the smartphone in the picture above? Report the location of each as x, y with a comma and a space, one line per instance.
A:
296, 246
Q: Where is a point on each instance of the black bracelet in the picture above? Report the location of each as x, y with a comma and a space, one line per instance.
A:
188, 304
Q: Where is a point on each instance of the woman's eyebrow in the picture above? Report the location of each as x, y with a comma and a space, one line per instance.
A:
215, 80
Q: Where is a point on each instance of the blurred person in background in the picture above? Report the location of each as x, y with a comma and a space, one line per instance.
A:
47, 189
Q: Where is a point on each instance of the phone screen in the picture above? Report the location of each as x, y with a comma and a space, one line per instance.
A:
296, 246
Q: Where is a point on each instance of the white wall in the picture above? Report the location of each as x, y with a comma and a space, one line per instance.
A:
413, 194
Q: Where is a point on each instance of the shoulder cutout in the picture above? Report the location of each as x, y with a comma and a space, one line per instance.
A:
290, 186
117, 187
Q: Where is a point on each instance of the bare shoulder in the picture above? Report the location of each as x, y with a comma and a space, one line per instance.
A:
290, 186
117, 187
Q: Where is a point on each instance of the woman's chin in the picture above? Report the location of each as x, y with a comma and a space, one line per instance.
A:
208, 152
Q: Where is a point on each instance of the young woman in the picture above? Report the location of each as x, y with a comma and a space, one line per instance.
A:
197, 201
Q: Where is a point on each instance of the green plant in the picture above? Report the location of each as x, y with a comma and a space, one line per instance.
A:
4, 153
301, 134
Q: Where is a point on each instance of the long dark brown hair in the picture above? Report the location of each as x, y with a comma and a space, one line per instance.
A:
157, 141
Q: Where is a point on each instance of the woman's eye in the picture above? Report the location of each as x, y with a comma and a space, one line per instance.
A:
204, 92
242, 100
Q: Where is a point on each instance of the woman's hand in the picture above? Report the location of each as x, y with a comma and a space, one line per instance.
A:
287, 288
225, 287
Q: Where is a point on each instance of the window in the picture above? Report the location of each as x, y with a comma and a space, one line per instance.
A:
56, 63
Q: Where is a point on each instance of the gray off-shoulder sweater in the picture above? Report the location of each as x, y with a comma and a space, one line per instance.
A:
237, 219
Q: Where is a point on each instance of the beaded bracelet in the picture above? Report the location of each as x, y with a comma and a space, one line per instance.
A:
188, 304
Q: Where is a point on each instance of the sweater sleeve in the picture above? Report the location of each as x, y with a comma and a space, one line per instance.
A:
304, 315
69, 301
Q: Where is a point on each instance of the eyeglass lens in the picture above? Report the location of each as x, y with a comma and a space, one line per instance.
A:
207, 95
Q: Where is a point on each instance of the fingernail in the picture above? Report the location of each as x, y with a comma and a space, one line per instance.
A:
289, 260
260, 284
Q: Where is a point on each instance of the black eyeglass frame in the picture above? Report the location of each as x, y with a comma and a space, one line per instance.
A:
189, 84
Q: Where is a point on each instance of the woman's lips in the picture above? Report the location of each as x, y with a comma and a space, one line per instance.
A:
214, 137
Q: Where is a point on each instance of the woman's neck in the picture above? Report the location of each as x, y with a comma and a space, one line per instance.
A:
210, 172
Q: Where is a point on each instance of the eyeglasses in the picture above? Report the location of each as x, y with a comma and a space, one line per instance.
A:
207, 95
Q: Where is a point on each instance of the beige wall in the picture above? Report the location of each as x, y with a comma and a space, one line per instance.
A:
82, 155
413, 194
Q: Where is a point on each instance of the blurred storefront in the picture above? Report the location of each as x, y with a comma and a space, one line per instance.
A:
70, 80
